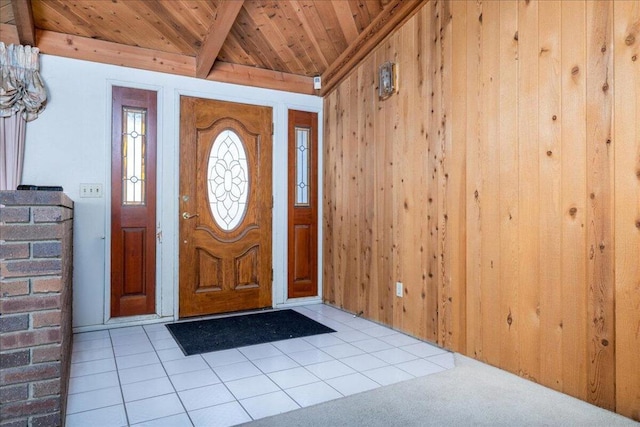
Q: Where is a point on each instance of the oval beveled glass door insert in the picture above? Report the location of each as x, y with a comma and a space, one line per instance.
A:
228, 180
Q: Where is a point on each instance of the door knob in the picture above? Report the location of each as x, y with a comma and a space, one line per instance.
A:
187, 215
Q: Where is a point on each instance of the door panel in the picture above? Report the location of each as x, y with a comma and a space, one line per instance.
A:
133, 202
302, 202
225, 207
302, 247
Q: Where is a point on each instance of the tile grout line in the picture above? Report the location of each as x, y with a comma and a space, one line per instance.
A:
115, 362
169, 379
227, 388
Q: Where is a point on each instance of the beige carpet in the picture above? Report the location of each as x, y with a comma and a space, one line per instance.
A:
471, 394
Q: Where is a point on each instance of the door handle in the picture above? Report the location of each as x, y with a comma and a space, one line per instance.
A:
187, 215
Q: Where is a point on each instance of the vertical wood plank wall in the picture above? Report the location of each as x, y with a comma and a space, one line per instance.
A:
501, 185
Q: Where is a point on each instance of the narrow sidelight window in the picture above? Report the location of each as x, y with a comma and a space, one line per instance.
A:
134, 142
302, 166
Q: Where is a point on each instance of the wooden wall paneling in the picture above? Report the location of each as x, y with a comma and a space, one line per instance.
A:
395, 138
369, 302
452, 313
395, 13
376, 281
353, 205
342, 200
360, 215
550, 155
508, 186
443, 284
417, 314
431, 168
490, 157
517, 130
384, 199
529, 191
627, 206
574, 193
600, 243
474, 180
329, 198
333, 191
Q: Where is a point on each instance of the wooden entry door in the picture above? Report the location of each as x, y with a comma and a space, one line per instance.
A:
225, 207
303, 210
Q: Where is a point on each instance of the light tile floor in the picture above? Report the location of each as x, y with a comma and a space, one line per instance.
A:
138, 376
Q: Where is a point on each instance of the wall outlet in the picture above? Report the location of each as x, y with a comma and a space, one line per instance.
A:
90, 190
399, 290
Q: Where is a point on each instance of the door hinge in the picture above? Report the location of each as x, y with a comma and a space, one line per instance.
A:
272, 274
272, 127
272, 202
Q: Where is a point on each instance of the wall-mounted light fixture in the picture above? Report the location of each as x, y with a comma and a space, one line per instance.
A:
387, 80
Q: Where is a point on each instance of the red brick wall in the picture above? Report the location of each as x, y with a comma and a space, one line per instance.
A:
35, 306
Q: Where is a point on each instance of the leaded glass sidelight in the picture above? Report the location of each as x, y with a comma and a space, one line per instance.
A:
134, 141
228, 180
302, 166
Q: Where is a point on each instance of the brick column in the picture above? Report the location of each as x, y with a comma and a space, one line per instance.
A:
36, 250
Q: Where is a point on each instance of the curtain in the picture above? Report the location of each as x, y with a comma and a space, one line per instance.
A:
22, 98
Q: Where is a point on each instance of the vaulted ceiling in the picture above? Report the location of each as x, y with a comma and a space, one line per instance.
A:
278, 44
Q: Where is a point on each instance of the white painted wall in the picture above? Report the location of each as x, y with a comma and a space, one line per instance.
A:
70, 144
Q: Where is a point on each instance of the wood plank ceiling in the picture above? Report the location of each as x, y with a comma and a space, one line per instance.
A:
278, 44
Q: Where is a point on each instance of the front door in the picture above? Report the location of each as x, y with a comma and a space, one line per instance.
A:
225, 207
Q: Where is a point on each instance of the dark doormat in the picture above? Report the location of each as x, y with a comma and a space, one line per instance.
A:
203, 336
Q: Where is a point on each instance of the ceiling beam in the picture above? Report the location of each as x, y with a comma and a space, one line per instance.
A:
9, 34
393, 15
88, 49
223, 21
23, 15
259, 77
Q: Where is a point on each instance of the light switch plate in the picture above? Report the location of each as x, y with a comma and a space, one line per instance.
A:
91, 190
